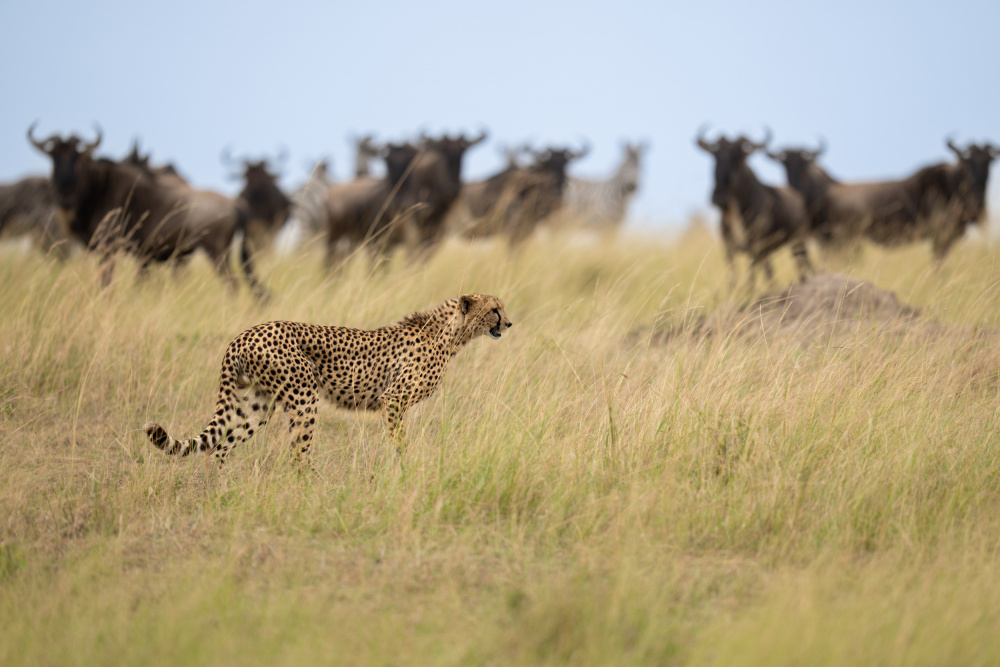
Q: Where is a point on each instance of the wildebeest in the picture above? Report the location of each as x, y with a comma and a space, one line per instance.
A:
165, 175
966, 183
268, 206
28, 207
369, 211
516, 199
310, 210
757, 219
110, 206
603, 204
434, 183
936, 202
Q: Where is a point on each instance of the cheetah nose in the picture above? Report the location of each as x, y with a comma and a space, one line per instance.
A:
509, 324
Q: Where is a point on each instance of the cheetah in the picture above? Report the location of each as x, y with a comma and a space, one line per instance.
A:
294, 364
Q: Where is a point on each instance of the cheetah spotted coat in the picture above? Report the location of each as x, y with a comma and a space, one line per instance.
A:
293, 365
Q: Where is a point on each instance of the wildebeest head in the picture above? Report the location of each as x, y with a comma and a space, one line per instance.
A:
555, 160
262, 193
70, 157
453, 149
136, 158
974, 167
730, 159
512, 155
397, 159
797, 162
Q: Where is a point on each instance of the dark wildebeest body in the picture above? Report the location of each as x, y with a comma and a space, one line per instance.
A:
434, 183
516, 199
965, 183
311, 208
369, 211
110, 206
28, 206
165, 175
269, 207
756, 219
935, 203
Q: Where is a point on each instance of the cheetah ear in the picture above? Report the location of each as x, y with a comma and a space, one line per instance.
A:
465, 302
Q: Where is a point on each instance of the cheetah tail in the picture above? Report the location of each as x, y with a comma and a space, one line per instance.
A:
162, 440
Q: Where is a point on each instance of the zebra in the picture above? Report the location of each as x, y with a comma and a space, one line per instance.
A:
602, 204
308, 217
365, 150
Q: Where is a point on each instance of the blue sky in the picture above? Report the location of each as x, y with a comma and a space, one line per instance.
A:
883, 82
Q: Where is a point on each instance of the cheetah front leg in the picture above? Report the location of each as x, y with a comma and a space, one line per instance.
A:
395, 409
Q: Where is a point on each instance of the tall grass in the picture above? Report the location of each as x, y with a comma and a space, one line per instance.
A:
580, 492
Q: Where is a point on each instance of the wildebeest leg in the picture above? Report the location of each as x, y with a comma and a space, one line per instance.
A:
142, 273
178, 263
225, 270
946, 236
757, 264
246, 257
940, 248
107, 267
801, 259
336, 252
727, 243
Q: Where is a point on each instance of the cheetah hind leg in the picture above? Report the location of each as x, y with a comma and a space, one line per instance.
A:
253, 410
301, 413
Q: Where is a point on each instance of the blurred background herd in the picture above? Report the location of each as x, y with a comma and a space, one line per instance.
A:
241, 127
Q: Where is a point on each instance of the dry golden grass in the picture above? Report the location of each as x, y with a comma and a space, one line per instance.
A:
575, 493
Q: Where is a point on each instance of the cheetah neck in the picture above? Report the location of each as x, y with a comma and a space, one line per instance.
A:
443, 325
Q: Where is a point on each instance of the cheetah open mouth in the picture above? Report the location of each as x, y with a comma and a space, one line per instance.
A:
495, 331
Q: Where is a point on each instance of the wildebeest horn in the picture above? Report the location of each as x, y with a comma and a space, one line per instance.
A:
281, 159
822, 148
779, 156
40, 145
134, 156
754, 146
226, 157
702, 143
88, 149
581, 153
993, 151
958, 151
478, 140
767, 137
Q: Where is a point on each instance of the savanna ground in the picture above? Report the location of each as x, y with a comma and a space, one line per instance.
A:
580, 492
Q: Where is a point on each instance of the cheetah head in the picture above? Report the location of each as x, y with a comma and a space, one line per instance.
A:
483, 314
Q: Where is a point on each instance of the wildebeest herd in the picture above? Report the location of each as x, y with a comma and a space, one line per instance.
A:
153, 213
936, 203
